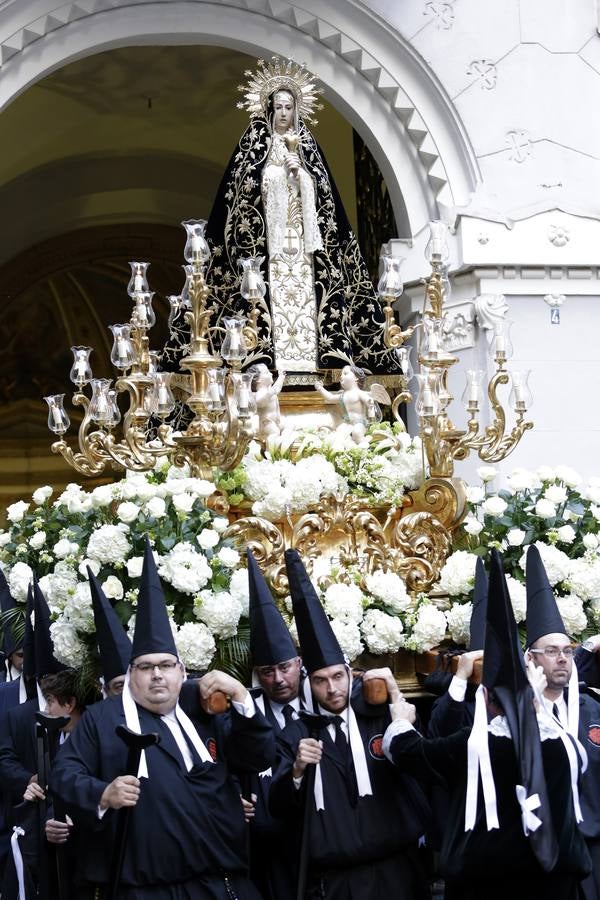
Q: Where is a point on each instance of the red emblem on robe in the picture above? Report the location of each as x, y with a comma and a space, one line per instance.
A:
376, 747
594, 735
211, 746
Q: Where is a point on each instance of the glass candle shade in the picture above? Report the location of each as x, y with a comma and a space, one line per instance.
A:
100, 404
473, 392
432, 337
81, 371
216, 390
113, 416
58, 420
164, 399
143, 315
520, 398
403, 355
244, 398
138, 282
390, 284
233, 348
122, 354
437, 245
174, 301
252, 286
427, 403
501, 340
196, 251
185, 301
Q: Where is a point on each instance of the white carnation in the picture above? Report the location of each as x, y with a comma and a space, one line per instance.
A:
16, 511
459, 623
195, 645
348, 636
19, 579
382, 633
184, 568
228, 557
109, 544
458, 574
429, 629
572, 613
68, 648
128, 512
344, 602
515, 537
220, 611
389, 588
113, 588
208, 538
42, 494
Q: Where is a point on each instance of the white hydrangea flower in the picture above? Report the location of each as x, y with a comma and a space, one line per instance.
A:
37, 540
566, 534
78, 608
19, 579
274, 506
583, 577
344, 602
494, 506
156, 507
458, 574
429, 628
240, 589
228, 557
208, 538
518, 597
555, 562
382, 633
195, 645
348, 636
128, 512
59, 586
42, 494
389, 588
16, 511
109, 544
220, 611
556, 494
515, 537
185, 568
68, 648
113, 588
459, 623
572, 613
545, 509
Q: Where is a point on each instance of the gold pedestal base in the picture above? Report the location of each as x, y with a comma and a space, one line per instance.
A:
307, 409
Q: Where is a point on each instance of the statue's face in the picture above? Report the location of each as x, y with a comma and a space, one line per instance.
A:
283, 112
347, 378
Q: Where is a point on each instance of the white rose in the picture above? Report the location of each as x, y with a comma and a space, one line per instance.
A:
494, 506
475, 494
487, 473
92, 564
42, 494
4, 538
37, 540
228, 557
64, 548
592, 493
568, 476
208, 538
515, 537
546, 473
595, 511
78, 503
522, 480
555, 493
112, 587
183, 502
566, 534
545, 509
201, 487
102, 496
220, 524
128, 512
135, 566
156, 507
19, 579
16, 511
472, 525
590, 541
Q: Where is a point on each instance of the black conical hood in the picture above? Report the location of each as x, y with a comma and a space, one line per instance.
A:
480, 595
7, 604
45, 661
152, 628
543, 616
504, 672
113, 643
319, 646
270, 639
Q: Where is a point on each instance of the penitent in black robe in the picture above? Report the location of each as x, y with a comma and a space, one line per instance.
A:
365, 851
500, 863
187, 834
349, 314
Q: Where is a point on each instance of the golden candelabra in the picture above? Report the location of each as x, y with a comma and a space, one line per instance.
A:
219, 398
442, 441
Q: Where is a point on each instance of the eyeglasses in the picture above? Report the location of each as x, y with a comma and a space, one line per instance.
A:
555, 652
166, 665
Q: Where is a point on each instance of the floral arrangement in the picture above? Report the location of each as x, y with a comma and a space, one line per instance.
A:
104, 529
296, 468
553, 508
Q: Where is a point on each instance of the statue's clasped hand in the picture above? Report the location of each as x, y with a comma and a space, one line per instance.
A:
292, 164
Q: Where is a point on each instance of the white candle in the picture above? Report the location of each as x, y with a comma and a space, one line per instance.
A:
196, 243
500, 343
121, 348
213, 392
80, 367
519, 393
252, 281
473, 393
138, 282
433, 343
56, 416
142, 315
427, 402
163, 396
243, 397
234, 340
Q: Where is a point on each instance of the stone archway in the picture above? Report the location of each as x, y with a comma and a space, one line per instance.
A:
369, 73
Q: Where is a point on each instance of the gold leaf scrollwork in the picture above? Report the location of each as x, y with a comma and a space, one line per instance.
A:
423, 543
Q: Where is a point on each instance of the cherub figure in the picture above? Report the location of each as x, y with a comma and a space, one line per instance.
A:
360, 407
266, 395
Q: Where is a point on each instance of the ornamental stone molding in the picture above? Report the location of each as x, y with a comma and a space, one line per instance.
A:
490, 310
369, 72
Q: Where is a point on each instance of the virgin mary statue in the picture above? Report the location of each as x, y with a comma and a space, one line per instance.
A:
277, 200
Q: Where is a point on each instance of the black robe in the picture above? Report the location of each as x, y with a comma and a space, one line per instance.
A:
363, 851
589, 735
500, 863
187, 833
349, 314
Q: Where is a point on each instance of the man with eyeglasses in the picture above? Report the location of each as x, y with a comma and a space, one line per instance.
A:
187, 835
551, 649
